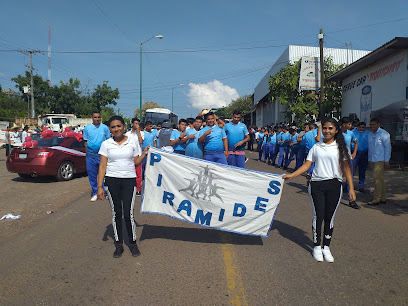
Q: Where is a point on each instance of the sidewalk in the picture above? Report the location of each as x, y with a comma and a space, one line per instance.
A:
395, 183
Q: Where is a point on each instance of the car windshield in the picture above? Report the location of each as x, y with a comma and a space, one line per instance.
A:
59, 120
50, 141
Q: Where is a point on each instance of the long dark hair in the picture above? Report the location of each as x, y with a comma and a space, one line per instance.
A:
344, 152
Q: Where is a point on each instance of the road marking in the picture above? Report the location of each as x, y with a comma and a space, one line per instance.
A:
235, 285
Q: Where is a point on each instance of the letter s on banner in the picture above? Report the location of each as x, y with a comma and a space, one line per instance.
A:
274, 187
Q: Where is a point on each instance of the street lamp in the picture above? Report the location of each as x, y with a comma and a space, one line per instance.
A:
172, 96
140, 89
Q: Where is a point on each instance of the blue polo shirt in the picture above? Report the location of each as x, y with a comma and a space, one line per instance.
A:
278, 137
213, 143
94, 136
293, 139
235, 133
260, 136
362, 139
193, 148
348, 138
285, 137
310, 139
148, 138
272, 139
178, 146
303, 141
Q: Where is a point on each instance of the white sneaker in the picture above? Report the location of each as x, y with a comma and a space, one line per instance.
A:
327, 254
94, 198
317, 253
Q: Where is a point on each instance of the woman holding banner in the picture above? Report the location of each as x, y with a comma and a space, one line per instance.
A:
119, 156
332, 159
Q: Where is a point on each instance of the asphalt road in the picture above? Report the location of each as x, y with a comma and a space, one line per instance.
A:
66, 258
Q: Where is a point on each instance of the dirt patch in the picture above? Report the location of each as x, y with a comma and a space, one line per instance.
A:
32, 198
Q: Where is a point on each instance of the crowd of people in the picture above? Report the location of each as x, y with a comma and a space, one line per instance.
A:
326, 151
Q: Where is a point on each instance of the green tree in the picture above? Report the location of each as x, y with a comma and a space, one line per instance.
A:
243, 104
104, 95
145, 106
12, 105
304, 104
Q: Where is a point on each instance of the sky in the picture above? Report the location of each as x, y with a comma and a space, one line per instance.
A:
218, 50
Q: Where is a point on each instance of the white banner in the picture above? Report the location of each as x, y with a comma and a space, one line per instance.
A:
309, 73
210, 194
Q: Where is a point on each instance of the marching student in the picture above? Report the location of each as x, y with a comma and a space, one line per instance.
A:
135, 135
177, 136
302, 146
119, 156
271, 144
294, 148
361, 158
332, 161
193, 148
214, 141
259, 140
278, 144
148, 135
94, 134
237, 136
379, 154
284, 148
350, 140
313, 136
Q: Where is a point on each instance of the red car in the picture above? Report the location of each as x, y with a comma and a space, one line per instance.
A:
54, 155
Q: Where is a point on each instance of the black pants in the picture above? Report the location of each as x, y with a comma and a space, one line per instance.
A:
122, 194
325, 196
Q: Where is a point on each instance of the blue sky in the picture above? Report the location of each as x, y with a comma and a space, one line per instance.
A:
234, 42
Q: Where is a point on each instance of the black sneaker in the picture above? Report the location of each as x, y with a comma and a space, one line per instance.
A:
138, 193
285, 168
118, 252
134, 250
373, 203
383, 202
354, 205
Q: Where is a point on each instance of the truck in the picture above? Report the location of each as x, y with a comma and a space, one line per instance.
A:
53, 121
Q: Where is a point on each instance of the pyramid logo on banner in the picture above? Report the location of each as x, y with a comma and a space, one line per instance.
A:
203, 184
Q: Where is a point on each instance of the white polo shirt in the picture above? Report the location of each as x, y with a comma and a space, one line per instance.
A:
134, 137
326, 159
120, 158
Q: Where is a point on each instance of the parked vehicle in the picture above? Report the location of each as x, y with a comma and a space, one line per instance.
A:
59, 156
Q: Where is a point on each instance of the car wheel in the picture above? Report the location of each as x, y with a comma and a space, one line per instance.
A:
65, 171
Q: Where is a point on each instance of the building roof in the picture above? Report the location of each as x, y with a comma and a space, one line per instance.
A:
393, 46
293, 53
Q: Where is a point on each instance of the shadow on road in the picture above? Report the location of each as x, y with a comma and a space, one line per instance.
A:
294, 234
195, 235
302, 187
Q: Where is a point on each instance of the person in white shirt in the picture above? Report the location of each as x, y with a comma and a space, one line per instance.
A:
24, 134
332, 161
119, 156
135, 135
379, 154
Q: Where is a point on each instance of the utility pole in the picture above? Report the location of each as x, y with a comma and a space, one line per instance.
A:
321, 99
31, 52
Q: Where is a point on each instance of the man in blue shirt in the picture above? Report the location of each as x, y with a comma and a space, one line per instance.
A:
284, 148
271, 144
379, 154
176, 137
361, 159
193, 148
149, 135
314, 135
260, 143
279, 134
294, 148
94, 134
350, 139
237, 135
302, 146
214, 141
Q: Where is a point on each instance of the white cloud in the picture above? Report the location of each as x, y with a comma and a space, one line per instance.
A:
211, 94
